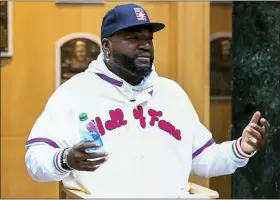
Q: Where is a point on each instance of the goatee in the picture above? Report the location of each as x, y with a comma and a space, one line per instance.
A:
128, 63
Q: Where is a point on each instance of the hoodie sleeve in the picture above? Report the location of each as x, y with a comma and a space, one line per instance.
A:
49, 136
208, 158
211, 159
42, 162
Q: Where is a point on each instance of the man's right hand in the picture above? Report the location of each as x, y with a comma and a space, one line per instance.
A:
78, 159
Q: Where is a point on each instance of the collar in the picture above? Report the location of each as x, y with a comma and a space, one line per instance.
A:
100, 69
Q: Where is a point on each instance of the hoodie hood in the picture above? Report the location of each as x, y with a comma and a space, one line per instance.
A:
98, 66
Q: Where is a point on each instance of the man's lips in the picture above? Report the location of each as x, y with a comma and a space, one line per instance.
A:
143, 59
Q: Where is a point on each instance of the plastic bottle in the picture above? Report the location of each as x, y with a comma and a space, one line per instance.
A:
89, 132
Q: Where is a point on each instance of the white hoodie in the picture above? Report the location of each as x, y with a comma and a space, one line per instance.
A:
154, 143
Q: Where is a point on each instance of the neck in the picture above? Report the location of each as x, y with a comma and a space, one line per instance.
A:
124, 74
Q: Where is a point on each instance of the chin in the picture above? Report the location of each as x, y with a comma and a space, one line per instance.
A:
143, 71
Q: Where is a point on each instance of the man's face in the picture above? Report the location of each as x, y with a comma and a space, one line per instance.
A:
133, 50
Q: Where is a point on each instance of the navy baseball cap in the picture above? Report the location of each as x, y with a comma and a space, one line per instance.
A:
126, 16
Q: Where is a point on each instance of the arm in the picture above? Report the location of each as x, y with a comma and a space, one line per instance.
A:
43, 165
49, 136
211, 159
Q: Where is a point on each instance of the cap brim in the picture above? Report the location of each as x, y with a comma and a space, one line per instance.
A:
155, 26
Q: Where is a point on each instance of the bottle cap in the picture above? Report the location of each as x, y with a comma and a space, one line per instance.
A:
83, 116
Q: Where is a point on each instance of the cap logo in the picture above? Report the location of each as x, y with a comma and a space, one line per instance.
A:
140, 14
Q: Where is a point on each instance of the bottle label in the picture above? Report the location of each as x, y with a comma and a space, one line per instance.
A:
92, 127
93, 134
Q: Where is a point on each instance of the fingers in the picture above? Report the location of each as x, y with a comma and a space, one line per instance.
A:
256, 117
262, 130
88, 168
85, 156
92, 165
253, 132
95, 155
78, 159
79, 153
256, 128
257, 135
81, 147
265, 123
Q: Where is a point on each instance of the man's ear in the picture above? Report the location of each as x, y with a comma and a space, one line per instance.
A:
106, 46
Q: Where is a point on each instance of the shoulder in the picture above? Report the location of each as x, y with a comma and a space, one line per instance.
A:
167, 82
70, 90
176, 95
78, 82
171, 87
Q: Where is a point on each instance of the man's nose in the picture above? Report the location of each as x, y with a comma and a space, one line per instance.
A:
145, 45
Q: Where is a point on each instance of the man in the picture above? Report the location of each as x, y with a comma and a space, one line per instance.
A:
152, 136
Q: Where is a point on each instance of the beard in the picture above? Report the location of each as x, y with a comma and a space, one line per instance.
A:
128, 63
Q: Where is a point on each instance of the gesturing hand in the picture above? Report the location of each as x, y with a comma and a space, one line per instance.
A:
254, 136
78, 159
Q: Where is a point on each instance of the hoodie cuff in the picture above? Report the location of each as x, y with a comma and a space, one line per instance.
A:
57, 163
237, 151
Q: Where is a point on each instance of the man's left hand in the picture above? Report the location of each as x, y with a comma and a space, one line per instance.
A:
254, 136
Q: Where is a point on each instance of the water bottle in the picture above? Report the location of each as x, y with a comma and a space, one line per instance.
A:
89, 132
